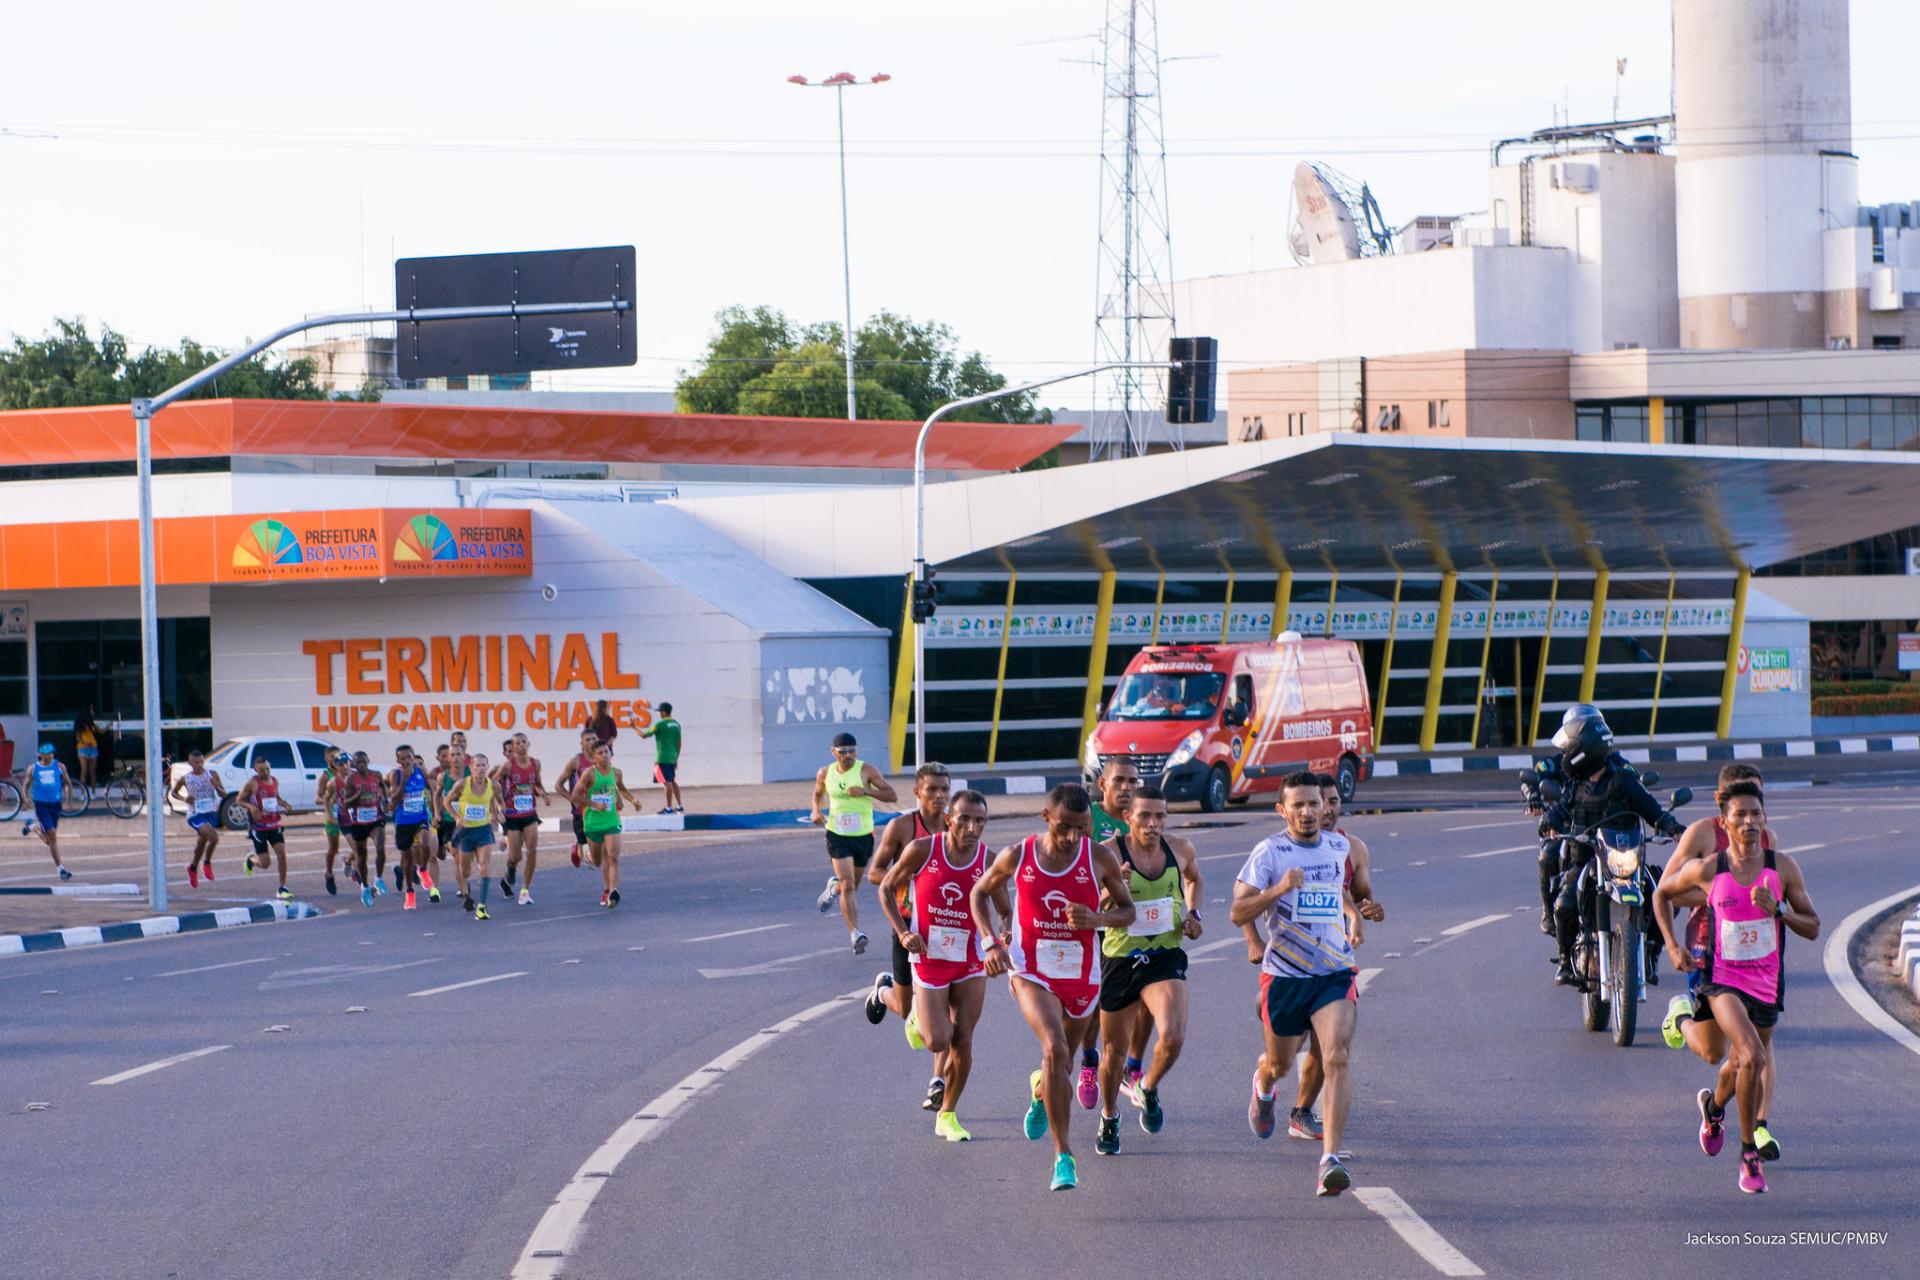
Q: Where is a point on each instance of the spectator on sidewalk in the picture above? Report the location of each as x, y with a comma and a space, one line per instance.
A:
665, 733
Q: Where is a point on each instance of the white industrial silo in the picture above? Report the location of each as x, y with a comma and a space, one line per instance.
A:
1763, 136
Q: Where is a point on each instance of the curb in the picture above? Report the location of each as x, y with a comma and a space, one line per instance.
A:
73, 890
155, 926
1775, 749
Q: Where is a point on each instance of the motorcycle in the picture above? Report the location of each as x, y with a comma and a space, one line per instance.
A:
1615, 894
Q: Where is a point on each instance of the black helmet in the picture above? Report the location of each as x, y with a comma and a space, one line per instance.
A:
1581, 711
1585, 743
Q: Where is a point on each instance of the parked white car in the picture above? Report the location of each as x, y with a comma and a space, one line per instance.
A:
297, 763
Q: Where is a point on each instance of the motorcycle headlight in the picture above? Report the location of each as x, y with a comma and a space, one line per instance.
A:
1623, 859
1188, 745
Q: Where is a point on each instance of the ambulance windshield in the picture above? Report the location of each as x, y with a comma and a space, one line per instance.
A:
1167, 696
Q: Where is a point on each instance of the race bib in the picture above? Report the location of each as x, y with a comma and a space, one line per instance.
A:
1059, 958
1747, 939
1152, 917
944, 943
269, 804
846, 824
205, 804
601, 800
1316, 904
413, 802
475, 812
523, 804
366, 815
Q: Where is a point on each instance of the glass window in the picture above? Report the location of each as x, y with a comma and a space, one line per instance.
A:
1880, 429
1906, 423
1752, 418
1718, 420
97, 663
13, 678
1167, 696
1589, 422
1811, 424
1628, 423
1859, 425
277, 754
1835, 418
1783, 424
313, 755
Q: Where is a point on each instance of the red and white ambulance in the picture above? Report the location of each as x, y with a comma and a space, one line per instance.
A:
1218, 723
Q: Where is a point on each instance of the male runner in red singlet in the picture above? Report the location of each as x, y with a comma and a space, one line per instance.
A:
521, 792
949, 974
931, 786
261, 799
1053, 959
577, 767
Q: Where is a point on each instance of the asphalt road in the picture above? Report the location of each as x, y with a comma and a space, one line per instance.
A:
429, 1134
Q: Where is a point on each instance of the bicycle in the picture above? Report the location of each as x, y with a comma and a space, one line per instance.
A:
11, 799
75, 800
126, 791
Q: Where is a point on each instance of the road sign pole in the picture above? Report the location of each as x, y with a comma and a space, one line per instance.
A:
846, 251
150, 661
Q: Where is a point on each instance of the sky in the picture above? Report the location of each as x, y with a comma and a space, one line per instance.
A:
218, 169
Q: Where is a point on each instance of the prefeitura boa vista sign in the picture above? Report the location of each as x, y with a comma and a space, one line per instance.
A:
406, 684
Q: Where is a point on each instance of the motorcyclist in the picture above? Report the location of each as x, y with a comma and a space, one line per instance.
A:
1599, 787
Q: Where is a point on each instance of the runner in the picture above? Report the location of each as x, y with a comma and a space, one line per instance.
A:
1307, 980
445, 777
847, 788
1118, 779
666, 757
599, 792
1359, 907
520, 775
48, 784
407, 798
327, 797
261, 799
1754, 894
361, 793
1143, 968
580, 764
476, 806
931, 787
201, 792
1057, 879
948, 976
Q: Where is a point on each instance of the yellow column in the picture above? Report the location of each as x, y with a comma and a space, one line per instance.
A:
1386, 664
1594, 624
1540, 676
1226, 610
1333, 594
1000, 678
1437, 666
1097, 657
903, 685
1657, 420
1159, 597
1282, 601
1486, 652
1660, 665
1727, 682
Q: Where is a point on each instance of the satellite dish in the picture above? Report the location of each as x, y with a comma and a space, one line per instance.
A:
1323, 228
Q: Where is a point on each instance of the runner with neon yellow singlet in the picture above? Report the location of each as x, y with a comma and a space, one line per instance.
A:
843, 796
476, 807
599, 792
520, 775
200, 790
931, 787
1118, 778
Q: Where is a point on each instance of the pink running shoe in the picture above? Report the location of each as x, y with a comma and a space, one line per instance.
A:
1752, 1180
1713, 1133
1130, 1088
208, 871
1088, 1090
193, 875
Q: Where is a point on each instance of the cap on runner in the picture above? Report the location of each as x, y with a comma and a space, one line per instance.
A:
844, 740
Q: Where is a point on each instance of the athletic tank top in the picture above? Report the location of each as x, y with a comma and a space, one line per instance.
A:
361, 799
46, 783
1696, 932
266, 794
520, 788
1745, 941
413, 799
1159, 906
582, 766
602, 812
848, 815
942, 915
920, 832
201, 797
472, 808
1044, 944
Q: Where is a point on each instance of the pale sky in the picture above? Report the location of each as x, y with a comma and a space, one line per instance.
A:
221, 168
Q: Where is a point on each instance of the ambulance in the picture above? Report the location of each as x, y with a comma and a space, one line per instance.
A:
1220, 723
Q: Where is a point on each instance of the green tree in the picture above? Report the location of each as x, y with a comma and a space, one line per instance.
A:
69, 367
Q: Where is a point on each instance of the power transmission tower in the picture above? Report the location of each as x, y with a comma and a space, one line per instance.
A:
1134, 319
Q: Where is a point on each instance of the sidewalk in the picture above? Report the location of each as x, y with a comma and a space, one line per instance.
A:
28, 915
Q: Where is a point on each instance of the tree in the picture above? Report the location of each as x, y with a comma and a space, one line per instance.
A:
68, 367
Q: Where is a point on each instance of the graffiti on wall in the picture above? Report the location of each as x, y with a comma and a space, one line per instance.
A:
823, 695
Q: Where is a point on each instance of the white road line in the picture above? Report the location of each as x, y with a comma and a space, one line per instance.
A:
1220, 857
209, 968
1215, 946
1483, 826
1471, 924
553, 1238
471, 982
1412, 1228
162, 1065
738, 933
577, 915
1366, 978
1840, 971
1804, 848
1490, 852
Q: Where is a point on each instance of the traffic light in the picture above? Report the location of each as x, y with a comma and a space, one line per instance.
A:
926, 596
1190, 388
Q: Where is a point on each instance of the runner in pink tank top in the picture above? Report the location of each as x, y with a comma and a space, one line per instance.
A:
1754, 895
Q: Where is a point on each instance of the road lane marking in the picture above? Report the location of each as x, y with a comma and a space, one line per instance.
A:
1490, 852
162, 1065
1840, 971
770, 966
1220, 857
1366, 978
1471, 924
460, 986
209, 968
1805, 848
552, 1240
738, 933
1215, 946
1483, 826
1413, 1229
577, 915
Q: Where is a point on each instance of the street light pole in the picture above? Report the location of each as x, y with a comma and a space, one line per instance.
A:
839, 83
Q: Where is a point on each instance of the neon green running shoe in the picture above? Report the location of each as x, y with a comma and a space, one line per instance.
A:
913, 1034
1677, 1008
1036, 1124
947, 1125
1765, 1142
1065, 1175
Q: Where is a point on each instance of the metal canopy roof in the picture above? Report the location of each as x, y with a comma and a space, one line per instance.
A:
1352, 503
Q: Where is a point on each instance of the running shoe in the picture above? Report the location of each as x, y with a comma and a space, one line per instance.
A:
1065, 1176
859, 943
193, 876
1152, 1118
379, 887
399, 880
828, 894
1108, 1141
1035, 1125
876, 1002
407, 903
366, 895
332, 887
526, 897
506, 881
603, 897
1260, 1112
249, 864
936, 1094
1334, 1177
1713, 1133
947, 1125
65, 874
1088, 1090
1679, 1007
1130, 1088
613, 899
912, 1028
433, 894
426, 882
208, 871
1301, 1123
284, 894
576, 855
480, 911
466, 902
1752, 1180
1768, 1144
